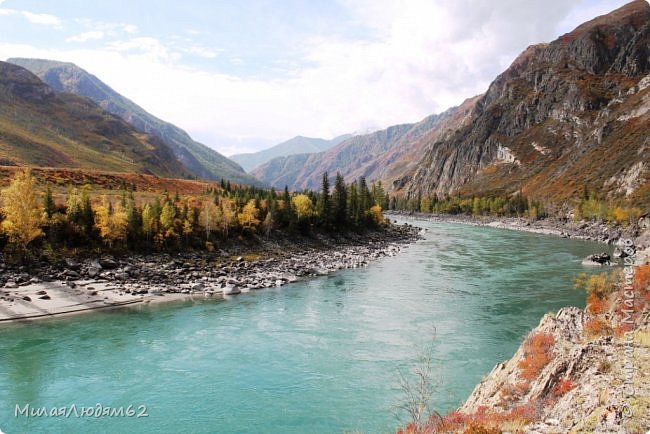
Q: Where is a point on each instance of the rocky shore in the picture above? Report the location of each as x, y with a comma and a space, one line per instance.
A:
80, 284
598, 231
593, 374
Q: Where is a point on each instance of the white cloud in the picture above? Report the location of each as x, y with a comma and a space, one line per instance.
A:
130, 28
148, 47
86, 36
7, 12
420, 58
200, 51
42, 19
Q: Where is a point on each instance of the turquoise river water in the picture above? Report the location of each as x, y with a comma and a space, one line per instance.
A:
317, 356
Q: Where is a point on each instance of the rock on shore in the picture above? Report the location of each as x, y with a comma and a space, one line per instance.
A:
111, 280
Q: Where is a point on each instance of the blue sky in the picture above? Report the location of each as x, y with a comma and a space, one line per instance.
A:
243, 75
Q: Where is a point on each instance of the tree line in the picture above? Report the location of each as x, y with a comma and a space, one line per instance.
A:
588, 207
86, 219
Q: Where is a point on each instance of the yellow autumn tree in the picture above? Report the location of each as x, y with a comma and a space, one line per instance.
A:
22, 211
375, 211
228, 214
248, 216
148, 221
112, 222
304, 206
167, 216
210, 217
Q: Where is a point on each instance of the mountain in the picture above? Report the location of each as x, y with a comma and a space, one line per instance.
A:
297, 145
381, 155
200, 160
564, 117
41, 127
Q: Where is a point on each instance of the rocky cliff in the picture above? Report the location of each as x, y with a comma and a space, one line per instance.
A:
199, 160
579, 371
564, 116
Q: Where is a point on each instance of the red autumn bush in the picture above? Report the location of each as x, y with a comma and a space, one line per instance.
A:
563, 386
597, 327
538, 351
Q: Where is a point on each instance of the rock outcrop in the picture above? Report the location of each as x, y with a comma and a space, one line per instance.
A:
564, 116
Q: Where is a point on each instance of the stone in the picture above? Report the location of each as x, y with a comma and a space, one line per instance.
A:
197, 286
72, 264
11, 284
44, 297
27, 298
597, 259
108, 263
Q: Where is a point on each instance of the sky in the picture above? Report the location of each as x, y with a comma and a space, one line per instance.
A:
243, 75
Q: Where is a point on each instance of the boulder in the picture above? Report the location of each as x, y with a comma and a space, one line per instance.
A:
597, 259
108, 263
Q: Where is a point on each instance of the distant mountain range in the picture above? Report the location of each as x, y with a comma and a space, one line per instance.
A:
381, 155
199, 160
297, 145
566, 116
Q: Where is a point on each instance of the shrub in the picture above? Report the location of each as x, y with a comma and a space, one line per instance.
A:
538, 351
596, 305
563, 386
597, 327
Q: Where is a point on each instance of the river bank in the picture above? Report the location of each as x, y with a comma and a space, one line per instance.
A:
76, 285
597, 231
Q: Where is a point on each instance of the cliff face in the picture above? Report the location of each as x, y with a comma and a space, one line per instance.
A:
564, 115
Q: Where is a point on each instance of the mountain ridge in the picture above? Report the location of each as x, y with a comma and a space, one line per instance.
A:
200, 160
547, 118
296, 145
539, 128
41, 127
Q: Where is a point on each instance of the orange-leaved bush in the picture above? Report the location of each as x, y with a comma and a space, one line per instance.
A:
538, 351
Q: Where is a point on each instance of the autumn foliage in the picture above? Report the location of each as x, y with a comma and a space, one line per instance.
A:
538, 352
21, 209
199, 215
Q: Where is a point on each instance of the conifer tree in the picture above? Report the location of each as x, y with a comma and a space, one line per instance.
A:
324, 201
48, 203
340, 199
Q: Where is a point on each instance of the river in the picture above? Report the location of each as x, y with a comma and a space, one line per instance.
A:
318, 356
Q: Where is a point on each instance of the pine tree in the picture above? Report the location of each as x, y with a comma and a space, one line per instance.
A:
20, 206
353, 205
48, 203
340, 199
324, 201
